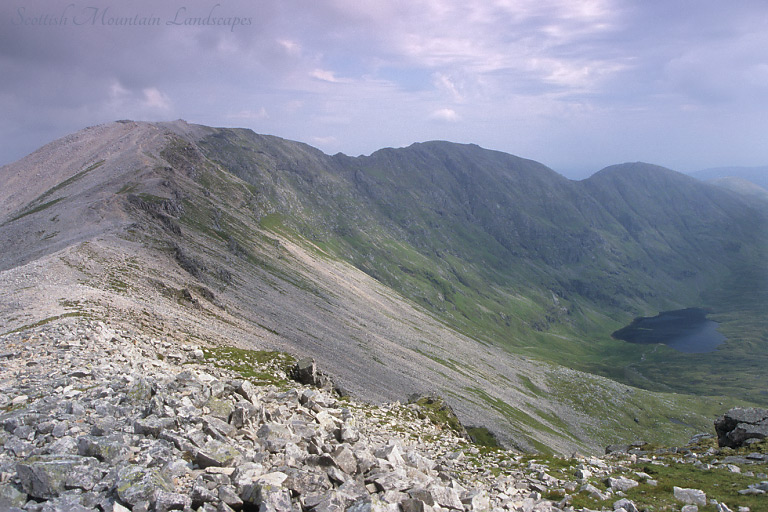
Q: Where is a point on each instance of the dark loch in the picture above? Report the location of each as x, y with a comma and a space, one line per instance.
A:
686, 330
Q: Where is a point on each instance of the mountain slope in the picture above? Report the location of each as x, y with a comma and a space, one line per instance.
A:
414, 270
508, 251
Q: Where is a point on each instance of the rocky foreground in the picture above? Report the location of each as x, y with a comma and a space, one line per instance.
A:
104, 418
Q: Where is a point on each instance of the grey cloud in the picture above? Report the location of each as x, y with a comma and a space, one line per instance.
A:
529, 77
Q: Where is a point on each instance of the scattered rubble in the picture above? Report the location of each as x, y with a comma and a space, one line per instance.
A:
107, 419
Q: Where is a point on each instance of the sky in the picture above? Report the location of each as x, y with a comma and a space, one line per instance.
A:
576, 85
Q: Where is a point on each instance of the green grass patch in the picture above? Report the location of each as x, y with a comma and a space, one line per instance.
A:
128, 188
68, 181
436, 410
36, 209
483, 437
52, 190
44, 322
521, 419
258, 366
449, 363
717, 482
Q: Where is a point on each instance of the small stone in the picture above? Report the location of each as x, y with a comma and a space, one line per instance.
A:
274, 479
21, 399
626, 505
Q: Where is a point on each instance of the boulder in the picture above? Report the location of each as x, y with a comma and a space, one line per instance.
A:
11, 496
136, 484
690, 496
217, 454
165, 501
736, 427
152, 426
269, 498
446, 497
47, 476
112, 449
621, 483
305, 371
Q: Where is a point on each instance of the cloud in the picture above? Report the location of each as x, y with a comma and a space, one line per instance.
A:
324, 75
291, 47
249, 115
154, 99
444, 114
446, 84
560, 81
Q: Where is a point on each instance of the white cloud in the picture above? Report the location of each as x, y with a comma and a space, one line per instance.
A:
444, 114
444, 83
291, 47
155, 99
324, 75
117, 92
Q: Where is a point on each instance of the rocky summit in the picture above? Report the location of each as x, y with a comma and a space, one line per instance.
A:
100, 417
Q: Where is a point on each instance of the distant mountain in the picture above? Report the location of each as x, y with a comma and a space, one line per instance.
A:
742, 186
756, 175
440, 267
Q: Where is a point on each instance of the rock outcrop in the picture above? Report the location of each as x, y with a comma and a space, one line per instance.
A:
741, 426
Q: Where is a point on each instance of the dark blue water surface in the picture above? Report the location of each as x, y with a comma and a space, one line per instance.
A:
686, 330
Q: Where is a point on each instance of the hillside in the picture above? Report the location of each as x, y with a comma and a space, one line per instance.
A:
438, 268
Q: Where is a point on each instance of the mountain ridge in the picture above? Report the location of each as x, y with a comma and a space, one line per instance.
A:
265, 239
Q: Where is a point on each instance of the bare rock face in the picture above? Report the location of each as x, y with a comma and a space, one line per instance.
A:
740, 425
305, 372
